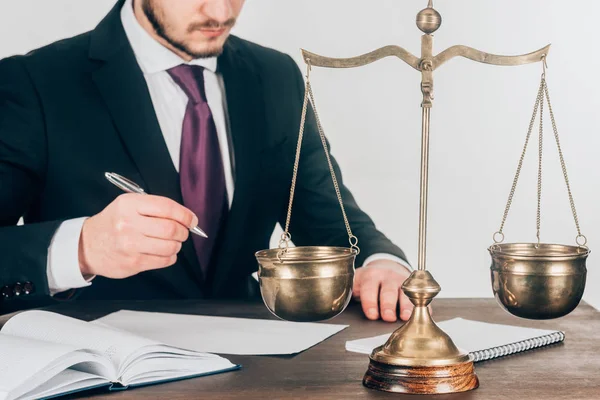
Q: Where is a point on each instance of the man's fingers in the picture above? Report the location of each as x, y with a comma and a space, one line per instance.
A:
406, 307
357, 282
162, 207
162, 228
369, 292
158, 247
148, 262
388, 300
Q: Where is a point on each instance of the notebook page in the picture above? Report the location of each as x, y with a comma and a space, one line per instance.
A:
68, 381
468, 335
21, 359
223, 335
115, 345
27, 363
166, 368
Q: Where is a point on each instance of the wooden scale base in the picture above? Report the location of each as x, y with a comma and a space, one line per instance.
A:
421, 380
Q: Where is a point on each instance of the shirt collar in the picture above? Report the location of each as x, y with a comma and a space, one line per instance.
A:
152, 56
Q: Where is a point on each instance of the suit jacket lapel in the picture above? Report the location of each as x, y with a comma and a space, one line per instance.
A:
125, 92
245, 106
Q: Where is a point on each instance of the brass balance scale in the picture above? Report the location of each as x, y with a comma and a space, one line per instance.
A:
530, 280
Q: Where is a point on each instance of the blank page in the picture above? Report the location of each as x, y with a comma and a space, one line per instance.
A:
223, 335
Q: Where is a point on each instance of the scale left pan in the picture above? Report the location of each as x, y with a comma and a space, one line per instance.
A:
310, 283
307, 283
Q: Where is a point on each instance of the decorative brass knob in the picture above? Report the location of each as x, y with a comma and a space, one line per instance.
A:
429, 20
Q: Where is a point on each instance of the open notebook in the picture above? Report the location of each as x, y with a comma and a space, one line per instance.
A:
43, 354
483, 340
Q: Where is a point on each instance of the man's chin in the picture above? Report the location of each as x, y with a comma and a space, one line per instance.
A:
207, 53
213, 49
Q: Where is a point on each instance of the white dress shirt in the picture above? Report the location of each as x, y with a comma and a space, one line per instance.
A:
170, 104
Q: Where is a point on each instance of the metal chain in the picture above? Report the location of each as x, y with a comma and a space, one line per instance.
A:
540, 152
580, 239
519, 166
543, 93
286, 236
353, 239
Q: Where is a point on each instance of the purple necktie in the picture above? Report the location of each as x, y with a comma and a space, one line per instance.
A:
201, 173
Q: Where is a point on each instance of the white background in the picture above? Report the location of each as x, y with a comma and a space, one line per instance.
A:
372, 115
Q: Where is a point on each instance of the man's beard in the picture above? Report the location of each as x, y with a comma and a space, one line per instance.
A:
159, 27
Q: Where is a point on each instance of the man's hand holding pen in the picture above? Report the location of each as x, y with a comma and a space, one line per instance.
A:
134, 233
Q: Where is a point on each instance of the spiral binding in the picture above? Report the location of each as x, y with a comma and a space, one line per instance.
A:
518, 347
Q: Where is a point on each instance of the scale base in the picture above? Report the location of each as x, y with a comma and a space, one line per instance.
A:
421, 380
419, 357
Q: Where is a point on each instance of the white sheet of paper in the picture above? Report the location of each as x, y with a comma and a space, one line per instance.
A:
222, 335
468, 335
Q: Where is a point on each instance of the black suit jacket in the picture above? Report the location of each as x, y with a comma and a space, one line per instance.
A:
79, 107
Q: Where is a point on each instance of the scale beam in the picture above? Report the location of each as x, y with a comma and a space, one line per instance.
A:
487, 58
470, 53
316, 60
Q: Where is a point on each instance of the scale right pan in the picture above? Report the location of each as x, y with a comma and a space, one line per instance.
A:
538, 280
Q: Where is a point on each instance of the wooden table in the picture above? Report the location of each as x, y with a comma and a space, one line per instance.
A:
566, 371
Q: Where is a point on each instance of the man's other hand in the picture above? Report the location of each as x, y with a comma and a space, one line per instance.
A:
132, 234
378, 286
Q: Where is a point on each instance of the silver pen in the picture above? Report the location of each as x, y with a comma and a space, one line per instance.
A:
131, 187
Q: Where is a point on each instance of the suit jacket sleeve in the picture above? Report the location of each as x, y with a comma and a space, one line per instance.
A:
316, 216
23, 249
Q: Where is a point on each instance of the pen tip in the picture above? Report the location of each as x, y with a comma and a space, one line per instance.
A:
199, 232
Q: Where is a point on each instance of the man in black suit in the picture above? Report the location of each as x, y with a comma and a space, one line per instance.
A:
204, 121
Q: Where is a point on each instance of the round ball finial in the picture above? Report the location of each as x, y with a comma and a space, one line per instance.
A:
429, 20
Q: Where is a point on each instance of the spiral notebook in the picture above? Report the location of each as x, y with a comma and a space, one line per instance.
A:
483, 340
